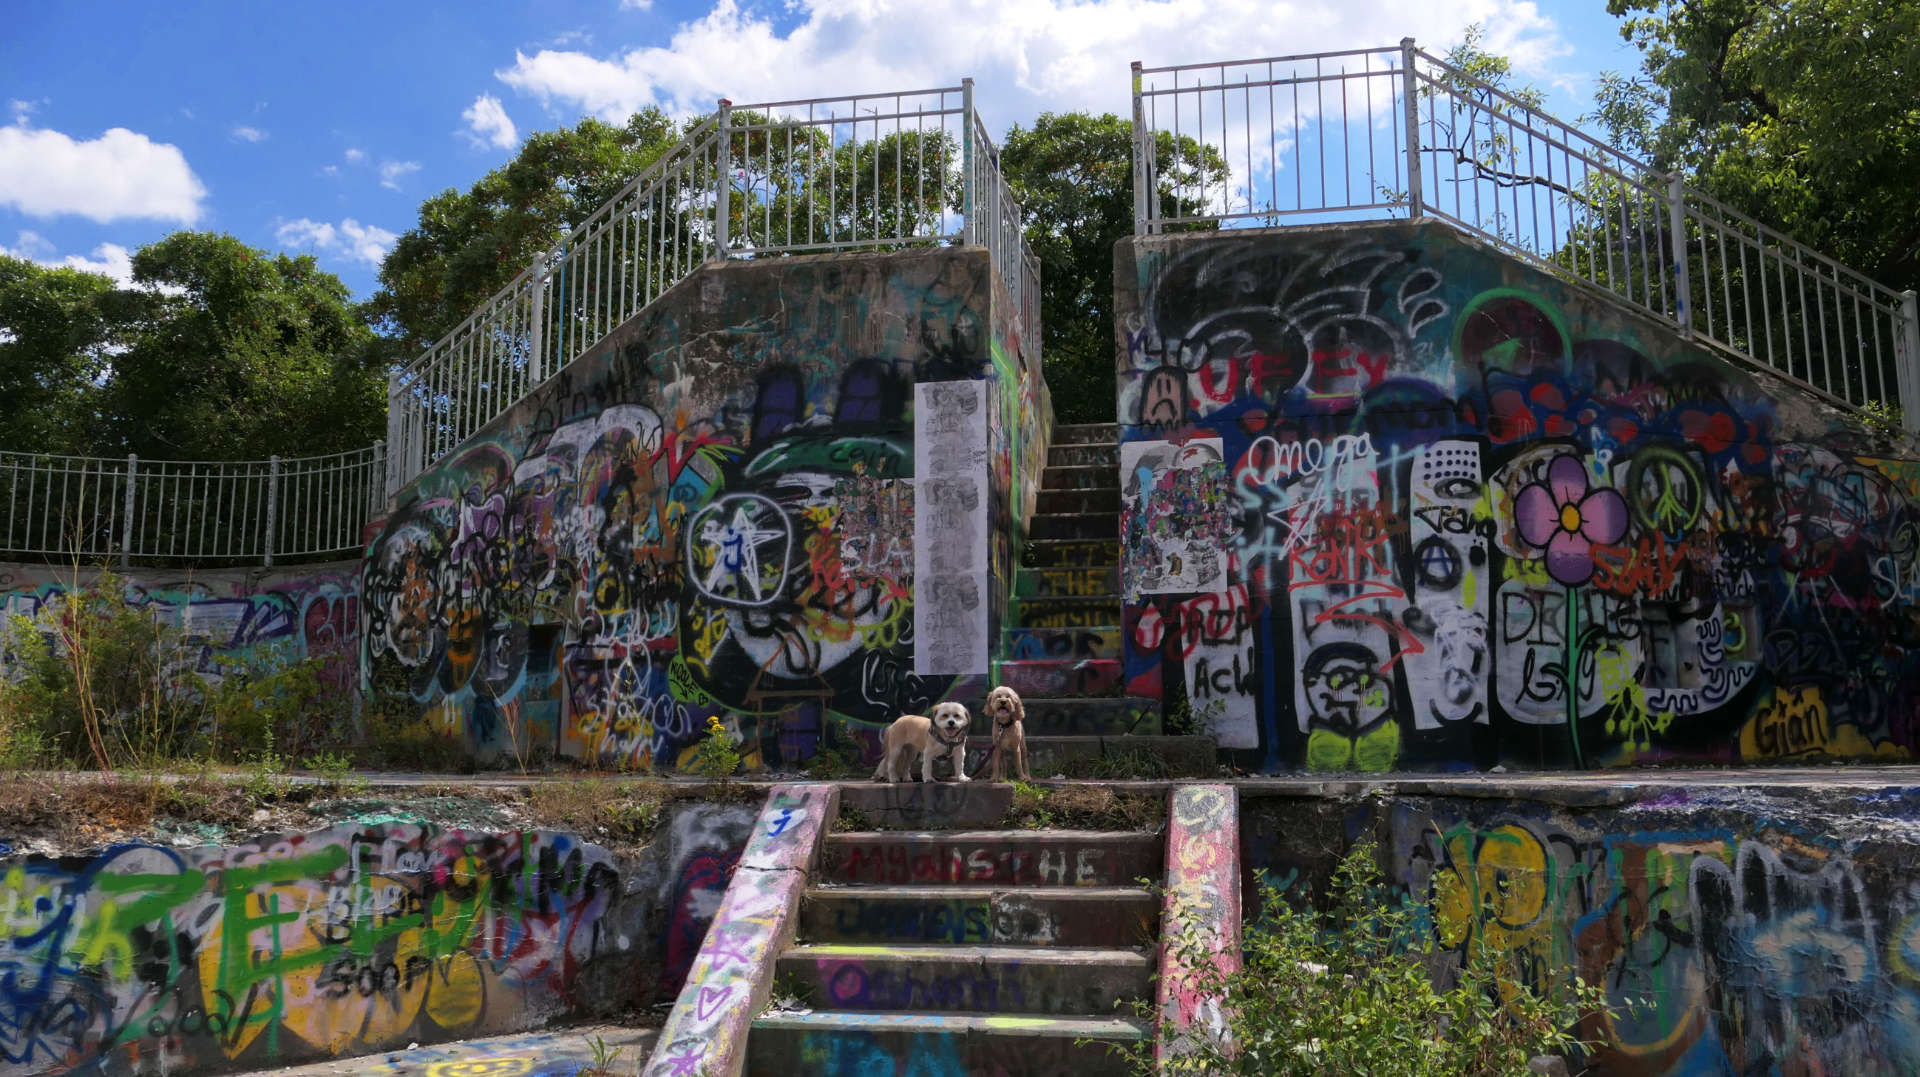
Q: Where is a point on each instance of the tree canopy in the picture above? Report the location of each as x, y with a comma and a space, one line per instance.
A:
1072, 174
1801, 113
468, 245
220, 351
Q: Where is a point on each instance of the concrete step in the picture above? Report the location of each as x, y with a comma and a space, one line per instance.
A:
1184, 756
839, 1044
1062, 677
1073, 477
1091, 581
1106, 499
1075, 525
1060, 611
1091, 717
1086, 433
948, 978
939, 806
1004, 857
1026, 916
1102, 641
1069, 553
1084, 455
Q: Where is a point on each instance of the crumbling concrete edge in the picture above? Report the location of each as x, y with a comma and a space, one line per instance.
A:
1200, 914
732, 975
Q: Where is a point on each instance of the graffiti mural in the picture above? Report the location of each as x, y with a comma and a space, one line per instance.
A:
226, 616
1472, 516
331, 943
712, 515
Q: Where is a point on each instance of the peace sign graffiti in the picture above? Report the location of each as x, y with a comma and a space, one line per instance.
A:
1664, 490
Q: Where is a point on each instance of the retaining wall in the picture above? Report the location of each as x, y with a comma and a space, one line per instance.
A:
367, 935
786, 495
1396, 501
259, 616
1735, 930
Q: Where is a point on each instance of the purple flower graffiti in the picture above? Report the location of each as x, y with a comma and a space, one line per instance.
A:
1564, 518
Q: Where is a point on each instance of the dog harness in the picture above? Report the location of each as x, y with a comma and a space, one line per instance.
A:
950, 744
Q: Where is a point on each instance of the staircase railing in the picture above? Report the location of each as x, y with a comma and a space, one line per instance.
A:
1390, 131
92, 508
872, 171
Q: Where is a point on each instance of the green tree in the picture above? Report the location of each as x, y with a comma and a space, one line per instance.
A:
57, 328
233, 353
1072, 174
468, 245
1800, 113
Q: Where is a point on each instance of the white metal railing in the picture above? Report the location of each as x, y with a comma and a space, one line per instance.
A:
871, 171
93, 508
1381, 132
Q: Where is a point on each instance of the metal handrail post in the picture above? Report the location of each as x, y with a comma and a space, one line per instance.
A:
1907, 362
273, 503
127, 535
1142, 162
1416, 194
376, 494
1682, 274
723, 183
967, 152
536, 360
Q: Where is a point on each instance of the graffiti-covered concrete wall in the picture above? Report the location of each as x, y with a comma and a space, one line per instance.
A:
1770, 930
366, 935
256, 616
768, 498
1393, 500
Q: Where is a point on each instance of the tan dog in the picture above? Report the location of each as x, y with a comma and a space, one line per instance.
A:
1009, 735
943, 736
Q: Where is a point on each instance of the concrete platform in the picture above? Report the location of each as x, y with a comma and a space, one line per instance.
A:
557, 1053
1029, 916
945, 977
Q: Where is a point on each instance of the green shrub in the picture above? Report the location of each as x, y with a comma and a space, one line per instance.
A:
97, 680
1352, 988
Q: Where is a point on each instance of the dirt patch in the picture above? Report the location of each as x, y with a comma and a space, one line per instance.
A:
1084, 807
59, 813
65, 813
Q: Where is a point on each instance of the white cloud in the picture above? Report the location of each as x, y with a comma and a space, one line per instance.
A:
329, 170
349, 239
635, 5
117, 176
109, 259
24, 110
249, 134
355, 155
489, 125
1042, 55
392, 172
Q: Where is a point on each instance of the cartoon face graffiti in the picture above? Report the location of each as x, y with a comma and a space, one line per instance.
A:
1344, 690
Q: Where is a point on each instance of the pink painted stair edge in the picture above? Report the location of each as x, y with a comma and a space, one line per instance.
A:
731, 976
1203, 901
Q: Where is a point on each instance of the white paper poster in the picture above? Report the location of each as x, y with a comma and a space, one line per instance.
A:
950, 517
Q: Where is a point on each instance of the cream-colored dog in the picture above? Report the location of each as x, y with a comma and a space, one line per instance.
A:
1009, 735
943, 736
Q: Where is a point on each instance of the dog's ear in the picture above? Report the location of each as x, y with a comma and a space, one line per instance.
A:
1019, 709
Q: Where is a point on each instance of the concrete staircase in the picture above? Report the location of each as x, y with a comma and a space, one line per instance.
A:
966, 950
1061, 647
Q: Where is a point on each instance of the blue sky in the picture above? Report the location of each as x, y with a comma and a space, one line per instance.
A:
322, 127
